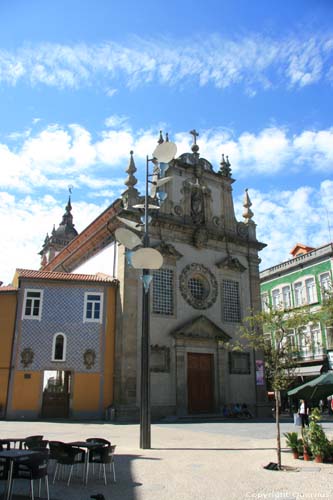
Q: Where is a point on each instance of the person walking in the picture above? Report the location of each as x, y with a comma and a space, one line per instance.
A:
304, 413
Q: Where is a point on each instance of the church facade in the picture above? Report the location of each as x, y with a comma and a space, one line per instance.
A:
209, 281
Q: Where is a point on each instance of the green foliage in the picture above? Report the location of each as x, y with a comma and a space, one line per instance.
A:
318, 441
292, 440
269, 332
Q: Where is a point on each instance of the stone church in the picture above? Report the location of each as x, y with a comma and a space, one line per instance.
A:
208, 282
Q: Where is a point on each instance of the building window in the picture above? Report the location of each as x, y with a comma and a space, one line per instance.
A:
32, 307
298, 294
325, 285
231, 303
59, 347
310, 290
163, 292
265, 302
286, 297
239, 363
93, 307
276, 299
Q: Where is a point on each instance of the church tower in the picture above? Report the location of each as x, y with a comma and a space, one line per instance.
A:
60, 237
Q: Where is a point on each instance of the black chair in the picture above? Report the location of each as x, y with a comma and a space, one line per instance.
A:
31, 468
32, 441
98, 441
36, 445
104, 455
67, 455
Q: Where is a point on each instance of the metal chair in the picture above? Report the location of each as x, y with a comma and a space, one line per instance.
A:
98, 441
67, 455
104, 455
31, 468
32, 441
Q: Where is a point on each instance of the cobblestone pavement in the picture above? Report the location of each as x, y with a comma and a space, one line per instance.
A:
197, 461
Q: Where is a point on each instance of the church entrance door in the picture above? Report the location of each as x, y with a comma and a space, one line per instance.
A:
200, 382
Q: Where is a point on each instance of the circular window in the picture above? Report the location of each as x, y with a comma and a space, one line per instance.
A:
198, 286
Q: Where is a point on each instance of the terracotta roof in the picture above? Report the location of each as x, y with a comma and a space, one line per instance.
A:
52, 275
8, 288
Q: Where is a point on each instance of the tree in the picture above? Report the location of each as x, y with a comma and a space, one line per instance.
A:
273, 333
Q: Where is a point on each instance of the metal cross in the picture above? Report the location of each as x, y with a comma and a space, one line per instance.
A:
195, 135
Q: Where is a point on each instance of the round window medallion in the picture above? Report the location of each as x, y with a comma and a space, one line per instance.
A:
198, 286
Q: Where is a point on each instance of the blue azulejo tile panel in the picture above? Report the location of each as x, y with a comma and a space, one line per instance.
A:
62, 313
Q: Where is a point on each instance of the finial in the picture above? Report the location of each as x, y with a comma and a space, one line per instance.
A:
225, 169
160, 140
131, 169
247, 214
167, 137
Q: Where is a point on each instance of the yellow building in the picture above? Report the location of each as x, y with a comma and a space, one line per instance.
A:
63, 348
8, 301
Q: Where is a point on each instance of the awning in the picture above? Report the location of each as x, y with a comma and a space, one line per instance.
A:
308, 371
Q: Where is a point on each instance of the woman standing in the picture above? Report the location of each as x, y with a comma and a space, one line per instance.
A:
304, 413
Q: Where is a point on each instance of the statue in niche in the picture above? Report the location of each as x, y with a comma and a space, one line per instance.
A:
197, 206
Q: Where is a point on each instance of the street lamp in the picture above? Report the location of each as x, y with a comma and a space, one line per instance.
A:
147, 258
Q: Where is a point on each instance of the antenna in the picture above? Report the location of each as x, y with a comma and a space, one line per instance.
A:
328, 225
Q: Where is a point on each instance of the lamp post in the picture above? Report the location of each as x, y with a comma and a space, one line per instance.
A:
147, 258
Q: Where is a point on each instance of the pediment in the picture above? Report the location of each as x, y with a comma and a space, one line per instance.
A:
231, 263
200, 328
168, 250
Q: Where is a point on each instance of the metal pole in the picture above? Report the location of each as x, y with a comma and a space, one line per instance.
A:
145, 440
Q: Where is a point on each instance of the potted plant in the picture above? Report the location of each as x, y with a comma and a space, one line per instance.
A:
293, 442
306, 445
319, 443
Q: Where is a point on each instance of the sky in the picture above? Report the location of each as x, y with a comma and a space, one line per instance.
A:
84, 82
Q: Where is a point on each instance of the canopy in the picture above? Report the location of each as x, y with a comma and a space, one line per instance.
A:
318, 388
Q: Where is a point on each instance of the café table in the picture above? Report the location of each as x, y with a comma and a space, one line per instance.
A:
88, 445
13, 455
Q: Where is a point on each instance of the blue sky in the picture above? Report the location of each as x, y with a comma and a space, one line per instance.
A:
84, 82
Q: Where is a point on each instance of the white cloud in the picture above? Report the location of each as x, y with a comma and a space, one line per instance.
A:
26, 222
58, 156
285, 218
252, 60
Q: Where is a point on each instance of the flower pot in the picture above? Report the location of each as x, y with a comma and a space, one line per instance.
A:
318, 459
306, 457
295, 454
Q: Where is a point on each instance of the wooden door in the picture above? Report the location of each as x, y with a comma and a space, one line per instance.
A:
200, 387
56, 396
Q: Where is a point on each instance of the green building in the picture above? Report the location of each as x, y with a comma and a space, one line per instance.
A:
303, 280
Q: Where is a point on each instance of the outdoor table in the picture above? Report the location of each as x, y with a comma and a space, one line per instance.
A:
88, 446
12, 456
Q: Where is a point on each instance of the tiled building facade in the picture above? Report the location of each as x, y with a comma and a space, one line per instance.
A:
62, 357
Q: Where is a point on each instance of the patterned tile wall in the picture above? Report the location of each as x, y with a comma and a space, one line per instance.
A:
62, 312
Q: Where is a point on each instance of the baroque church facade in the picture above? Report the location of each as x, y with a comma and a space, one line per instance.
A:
208, 282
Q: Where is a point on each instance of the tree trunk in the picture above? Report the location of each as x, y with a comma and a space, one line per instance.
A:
278, 435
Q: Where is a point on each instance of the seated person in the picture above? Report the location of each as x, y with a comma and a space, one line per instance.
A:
245, 411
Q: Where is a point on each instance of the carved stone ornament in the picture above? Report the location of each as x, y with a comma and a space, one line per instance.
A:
178, 210
168, 250
159, 358
89, 357
242, 230
27, 356
198, 286
231, 263
200, 237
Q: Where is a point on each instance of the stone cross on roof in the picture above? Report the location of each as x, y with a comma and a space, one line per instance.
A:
195, 135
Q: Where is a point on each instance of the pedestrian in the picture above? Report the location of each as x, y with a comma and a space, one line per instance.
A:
304, 413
